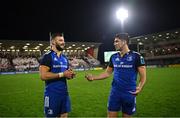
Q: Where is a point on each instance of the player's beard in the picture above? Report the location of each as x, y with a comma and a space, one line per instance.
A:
59, 47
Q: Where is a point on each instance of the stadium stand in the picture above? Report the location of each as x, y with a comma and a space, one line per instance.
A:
160, 49
91, 60
25, 63
24, 56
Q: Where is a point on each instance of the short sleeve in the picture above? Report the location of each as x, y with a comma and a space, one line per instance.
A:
46, 60
140, 60
110, 63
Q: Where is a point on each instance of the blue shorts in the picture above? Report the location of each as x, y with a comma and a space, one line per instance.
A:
54, 105
119, 101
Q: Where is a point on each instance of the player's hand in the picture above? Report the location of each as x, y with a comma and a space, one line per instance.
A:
138, 90
69, 74
73, 73
89, 77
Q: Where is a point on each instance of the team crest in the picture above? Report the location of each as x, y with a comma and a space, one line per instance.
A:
129, 58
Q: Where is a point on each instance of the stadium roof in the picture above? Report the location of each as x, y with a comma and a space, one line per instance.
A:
21, 45
155, 38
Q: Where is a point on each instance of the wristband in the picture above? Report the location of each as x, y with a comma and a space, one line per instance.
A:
61, 74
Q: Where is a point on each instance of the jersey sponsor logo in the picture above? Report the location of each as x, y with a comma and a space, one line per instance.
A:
59, 66
123, 66
129, 58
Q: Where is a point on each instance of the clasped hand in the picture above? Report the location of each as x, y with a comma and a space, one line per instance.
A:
69, 74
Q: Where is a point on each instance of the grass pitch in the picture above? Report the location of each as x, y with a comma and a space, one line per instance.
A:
21, 95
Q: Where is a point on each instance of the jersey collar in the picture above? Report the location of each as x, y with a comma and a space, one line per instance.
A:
127, 53
55, 53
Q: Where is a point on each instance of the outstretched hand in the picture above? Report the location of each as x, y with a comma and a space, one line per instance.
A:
89, 77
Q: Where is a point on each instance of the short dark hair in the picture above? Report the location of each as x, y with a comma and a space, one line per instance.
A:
56, 34
123, 36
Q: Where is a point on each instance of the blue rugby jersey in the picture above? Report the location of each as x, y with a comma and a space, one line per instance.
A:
56, 65
125, 70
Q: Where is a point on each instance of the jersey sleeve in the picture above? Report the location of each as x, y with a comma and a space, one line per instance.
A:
110, 63
140, 60
46, 60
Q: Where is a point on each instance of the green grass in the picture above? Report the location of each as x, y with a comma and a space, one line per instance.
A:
21, 95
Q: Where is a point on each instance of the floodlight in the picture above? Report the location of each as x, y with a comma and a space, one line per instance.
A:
122, 14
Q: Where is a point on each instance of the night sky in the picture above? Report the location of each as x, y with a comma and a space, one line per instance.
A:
86, 20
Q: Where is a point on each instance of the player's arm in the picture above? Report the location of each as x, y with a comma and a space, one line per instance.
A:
142, 75
101, 76
46, 75
142, 79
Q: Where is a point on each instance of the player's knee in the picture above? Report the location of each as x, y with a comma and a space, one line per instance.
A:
112, 114
64, 115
